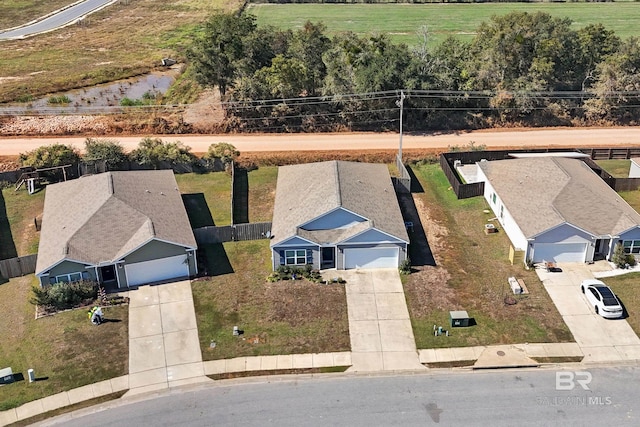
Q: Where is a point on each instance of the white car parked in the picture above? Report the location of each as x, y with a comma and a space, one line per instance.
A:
602, 298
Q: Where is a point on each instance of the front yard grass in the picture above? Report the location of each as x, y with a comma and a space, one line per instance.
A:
65, 350
216, 189
627, 288
471, 274
617, 168
285, 317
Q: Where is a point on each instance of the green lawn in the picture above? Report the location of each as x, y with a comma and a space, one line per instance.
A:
617, 168
627, 287
65, 350
277, 318
212, 190
262, 192
401, 21
471, 275
18, 235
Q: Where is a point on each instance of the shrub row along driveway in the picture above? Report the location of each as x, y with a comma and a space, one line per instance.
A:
600, 339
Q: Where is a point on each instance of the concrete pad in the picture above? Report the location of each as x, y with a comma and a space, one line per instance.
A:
146, 353
120, 383
171, 292
401, 360
182, 347
503, 356
619, 331
29, 409
366, 362
567, 348
396, 335
178, 316
146, 389
144, 321
587, 331
568, 300
302, 361
362, 307
322, 360
365, 336
342, 358
144, 295
444, 355
601, 354
536, 350
80, 394
386, 280
143, 379
284, 361
184, 371
237, 364
101, 388
214, 367
8, 417
629, 352
427, 355
358, 284
464, 353
391, 306
253, 363
269, 363
57, 401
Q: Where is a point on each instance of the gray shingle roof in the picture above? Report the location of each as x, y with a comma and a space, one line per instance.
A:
542, 193
307, 191
101, 218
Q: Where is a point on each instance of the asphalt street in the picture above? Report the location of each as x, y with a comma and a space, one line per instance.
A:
56, 20
533, 397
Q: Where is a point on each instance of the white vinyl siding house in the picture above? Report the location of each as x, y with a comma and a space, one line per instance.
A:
558, 209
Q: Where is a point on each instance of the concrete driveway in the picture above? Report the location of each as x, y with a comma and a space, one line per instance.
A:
379, 325
164, 349
601, 340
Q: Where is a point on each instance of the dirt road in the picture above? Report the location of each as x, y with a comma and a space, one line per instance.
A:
581, 137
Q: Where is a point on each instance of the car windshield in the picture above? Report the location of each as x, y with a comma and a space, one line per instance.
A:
610, 301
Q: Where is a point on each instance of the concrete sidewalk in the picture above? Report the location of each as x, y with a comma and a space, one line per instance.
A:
164, 348
379, 325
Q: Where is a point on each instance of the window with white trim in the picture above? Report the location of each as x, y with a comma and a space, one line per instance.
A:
631, 246
70, 277
295, 256
493, 198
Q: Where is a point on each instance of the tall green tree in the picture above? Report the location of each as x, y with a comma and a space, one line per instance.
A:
50, 156
107, 150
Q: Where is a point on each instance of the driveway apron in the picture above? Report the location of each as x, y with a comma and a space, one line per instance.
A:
164, 349
379, 325
601, 340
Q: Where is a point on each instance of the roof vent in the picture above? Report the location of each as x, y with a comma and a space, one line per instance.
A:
147, 191
162, 193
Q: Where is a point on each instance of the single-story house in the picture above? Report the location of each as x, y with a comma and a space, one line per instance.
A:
558, 209
337, 214
119, 228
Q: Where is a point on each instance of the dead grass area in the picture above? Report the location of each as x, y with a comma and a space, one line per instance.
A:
122, 40
471, 274
66, 351
277, 318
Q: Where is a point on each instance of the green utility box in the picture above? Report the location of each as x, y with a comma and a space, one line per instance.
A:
459, 319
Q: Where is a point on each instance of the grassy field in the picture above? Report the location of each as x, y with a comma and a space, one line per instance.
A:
617, 168
471, 274
18, 235
122, 40
65, 350
402, 21
627, 287
207, 197
277, 318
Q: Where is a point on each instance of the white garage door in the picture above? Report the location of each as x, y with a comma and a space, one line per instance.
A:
156, 270
371, 258
559, 252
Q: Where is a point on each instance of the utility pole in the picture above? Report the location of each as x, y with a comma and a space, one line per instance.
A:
400, 103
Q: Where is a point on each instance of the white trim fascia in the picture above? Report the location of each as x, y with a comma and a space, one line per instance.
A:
121, 257
284, 244
330, 212
593, 236
346, 241
40, 274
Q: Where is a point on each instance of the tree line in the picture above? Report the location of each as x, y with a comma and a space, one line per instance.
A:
521, 68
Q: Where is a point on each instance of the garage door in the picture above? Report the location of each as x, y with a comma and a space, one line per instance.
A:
559, 252
371, 258
156, 270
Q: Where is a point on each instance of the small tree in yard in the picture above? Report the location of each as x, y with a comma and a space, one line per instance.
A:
49, 156
620, 258
223, 151
153, 151
107, 150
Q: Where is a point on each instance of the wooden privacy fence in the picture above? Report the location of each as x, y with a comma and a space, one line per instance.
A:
232, 233
16, 267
